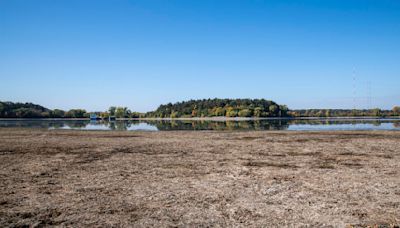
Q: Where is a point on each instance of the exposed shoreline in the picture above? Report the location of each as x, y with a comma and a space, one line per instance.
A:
208, 178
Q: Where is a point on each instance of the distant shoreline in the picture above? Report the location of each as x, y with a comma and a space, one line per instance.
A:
219, 118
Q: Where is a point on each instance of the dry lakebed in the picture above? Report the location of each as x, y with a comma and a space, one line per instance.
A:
199, 178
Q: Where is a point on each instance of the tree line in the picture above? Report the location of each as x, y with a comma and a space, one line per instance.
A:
193, 108
376, 112
119, 112
30, 110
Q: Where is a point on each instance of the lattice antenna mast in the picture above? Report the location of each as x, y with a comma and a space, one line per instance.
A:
354, 88
369, 96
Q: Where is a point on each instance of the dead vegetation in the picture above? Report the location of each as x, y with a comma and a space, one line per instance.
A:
240, 179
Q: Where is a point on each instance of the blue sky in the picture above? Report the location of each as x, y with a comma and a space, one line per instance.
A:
139, 54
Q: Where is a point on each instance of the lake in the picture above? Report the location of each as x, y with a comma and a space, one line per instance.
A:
221, 125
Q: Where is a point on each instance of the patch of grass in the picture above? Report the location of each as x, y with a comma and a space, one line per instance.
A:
346, 153
351, 164
268, 164
248, 138
292, 153
387, 156
350, 153
325, 165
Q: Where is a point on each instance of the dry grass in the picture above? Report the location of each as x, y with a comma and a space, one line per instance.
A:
240, 179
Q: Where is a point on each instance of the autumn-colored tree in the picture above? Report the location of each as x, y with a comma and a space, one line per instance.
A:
396, 110
327, 113
231, 112
258, 112
244, 113
219, 111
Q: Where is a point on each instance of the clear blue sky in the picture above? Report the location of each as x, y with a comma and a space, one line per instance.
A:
139, 54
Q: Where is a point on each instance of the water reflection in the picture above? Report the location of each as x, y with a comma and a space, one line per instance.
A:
231, 125
218, 125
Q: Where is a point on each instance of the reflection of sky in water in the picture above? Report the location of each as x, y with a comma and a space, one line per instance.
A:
342, 127
105, 126
142, 127
232, 125
87, 127
96, 127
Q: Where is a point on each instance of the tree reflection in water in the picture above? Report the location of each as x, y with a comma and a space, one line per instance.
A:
227, 125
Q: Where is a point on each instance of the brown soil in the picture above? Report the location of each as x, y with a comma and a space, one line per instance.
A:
98, 178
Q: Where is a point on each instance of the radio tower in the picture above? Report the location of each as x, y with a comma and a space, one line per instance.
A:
369, 96
354, 88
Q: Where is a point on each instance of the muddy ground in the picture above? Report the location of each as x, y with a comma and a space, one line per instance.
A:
202, 179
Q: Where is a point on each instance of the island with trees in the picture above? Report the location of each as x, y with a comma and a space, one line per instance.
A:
220, 107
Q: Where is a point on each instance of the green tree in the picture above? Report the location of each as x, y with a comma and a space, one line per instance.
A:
76, 113
57, 113
111, 110
128, 112
273, 109
104, 115
27, 113
174, 115
137, 115
376, 112
1, 108
44, 115
283, 110
22, 110
121, 112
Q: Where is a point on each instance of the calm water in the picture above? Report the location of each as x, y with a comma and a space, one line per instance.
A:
167, 125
